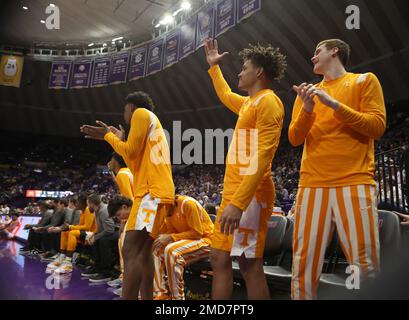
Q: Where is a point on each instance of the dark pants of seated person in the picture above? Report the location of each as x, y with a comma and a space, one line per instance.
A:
51, 242
33, 241
105, 254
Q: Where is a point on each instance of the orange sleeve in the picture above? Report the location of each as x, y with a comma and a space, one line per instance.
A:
270, 116
301, 123
124, 184
130, 148
370, 121
193, 217
88, 220
231, 100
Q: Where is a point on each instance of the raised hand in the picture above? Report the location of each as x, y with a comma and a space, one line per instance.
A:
212, 52
93, 132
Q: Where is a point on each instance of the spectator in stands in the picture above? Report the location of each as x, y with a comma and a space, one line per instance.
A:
4, 209
186, 240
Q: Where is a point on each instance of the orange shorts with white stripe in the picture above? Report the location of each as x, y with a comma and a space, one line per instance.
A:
250, 237
148, 213
352, 210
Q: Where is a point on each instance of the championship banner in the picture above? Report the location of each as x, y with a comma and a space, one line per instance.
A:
187, 37
245, 8
205, 25
155, 54
119, 67
137, 64
60, 74
100, 74
225, 16
11, 70
172, 45
81, 74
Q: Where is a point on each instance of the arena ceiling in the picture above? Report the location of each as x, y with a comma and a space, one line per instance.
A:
82, 21
184, 91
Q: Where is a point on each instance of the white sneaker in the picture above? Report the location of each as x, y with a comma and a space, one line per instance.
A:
66, 267
118, 292
115, 283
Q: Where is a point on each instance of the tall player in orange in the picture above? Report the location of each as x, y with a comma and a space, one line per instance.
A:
338, 120
146, 152
248, 196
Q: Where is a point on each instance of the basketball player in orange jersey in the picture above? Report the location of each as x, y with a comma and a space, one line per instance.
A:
147, 154
123, 178
248, 196
187, 240
338, 120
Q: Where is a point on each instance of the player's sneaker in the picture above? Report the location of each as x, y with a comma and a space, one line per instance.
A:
118, 292
115, 283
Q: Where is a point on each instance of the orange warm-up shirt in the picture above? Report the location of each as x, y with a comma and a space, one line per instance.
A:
189, 221
87, 222
124, 179
265, 113
146, 152
339, 145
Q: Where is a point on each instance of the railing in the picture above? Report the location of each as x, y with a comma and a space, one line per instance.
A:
392, 179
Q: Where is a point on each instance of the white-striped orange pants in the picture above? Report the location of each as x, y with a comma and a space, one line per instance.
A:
120, 245
174, 257
353, 211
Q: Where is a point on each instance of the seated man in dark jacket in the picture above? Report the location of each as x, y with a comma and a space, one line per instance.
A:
104, 242
33, 245
51, 236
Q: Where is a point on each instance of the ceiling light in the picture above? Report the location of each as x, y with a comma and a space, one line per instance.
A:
186, 5
25, 8
115, 39
167, 19
42, 21
91, 44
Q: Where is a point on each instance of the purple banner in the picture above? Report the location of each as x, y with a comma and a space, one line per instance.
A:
225, 15
205, 25
187, 37
246, 8
172, 45
155, 54
60, 74
81, 74
119, 67
100, 74
137, 65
